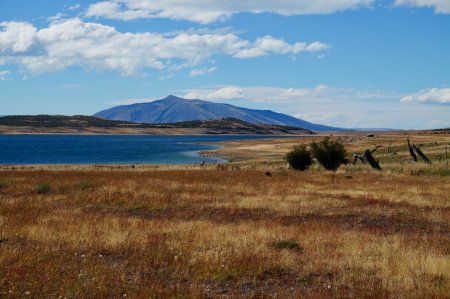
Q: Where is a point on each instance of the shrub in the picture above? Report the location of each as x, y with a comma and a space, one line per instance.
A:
299, 158
330, 154
43, 188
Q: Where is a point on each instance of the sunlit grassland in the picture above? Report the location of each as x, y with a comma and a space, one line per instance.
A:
235, 233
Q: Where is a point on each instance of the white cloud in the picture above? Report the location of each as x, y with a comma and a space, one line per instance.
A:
95, 46
269, 44
433, 95
207, 11
200, 72
56, 17
16, 36
74, 7
4, 75
439, 6
279, 94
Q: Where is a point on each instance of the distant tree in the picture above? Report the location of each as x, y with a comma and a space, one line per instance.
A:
330, 154
299, 158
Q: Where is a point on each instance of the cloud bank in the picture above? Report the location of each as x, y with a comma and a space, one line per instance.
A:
439, 6
279, 94
95, 46
432, 95
208, 11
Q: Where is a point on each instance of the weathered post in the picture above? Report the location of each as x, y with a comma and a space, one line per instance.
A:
421, 154
374, 163
411, 151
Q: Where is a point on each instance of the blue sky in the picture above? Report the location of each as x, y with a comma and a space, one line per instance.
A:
348, 63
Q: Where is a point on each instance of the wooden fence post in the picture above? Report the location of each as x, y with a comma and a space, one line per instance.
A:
374, 163
411, 151
421, 154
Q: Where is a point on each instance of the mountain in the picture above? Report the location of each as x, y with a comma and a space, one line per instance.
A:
174, 109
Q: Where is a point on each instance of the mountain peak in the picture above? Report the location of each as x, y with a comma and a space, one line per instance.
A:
173, 98
173, 109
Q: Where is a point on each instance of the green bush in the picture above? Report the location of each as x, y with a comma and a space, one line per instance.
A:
43, 188
299, 158
330, 154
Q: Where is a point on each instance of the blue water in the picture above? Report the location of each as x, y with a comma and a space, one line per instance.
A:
108, 149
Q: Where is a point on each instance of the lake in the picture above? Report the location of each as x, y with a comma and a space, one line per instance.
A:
109, 149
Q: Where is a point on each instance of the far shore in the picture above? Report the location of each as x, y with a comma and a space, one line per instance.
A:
23, 130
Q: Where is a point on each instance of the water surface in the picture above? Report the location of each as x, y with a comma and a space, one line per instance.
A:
108, 149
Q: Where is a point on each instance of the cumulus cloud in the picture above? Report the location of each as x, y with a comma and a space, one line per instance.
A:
439, 6
268, 44
207, 11
433, 95
16, 36
95, 46
200, 72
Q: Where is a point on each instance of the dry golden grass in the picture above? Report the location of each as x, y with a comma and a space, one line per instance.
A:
186, 233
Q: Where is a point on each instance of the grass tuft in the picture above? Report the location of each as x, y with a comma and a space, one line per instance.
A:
4, 184
43, 188
3, 239
288, 244
84, 185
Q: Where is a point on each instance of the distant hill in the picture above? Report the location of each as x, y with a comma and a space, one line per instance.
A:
76, 121
45, 123
174, 109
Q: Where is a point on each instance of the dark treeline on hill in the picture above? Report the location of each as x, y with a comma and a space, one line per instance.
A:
228, 125
228, 122
76, 121
442, 130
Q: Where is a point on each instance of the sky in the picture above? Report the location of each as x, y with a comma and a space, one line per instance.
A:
345, 63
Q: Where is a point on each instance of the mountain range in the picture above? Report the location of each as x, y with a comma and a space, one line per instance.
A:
174, 109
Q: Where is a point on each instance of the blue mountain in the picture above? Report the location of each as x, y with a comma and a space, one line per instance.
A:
175, 109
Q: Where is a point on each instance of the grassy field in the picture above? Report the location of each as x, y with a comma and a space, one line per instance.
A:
160, 232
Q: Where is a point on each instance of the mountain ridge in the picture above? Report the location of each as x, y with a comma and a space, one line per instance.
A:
175, 109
